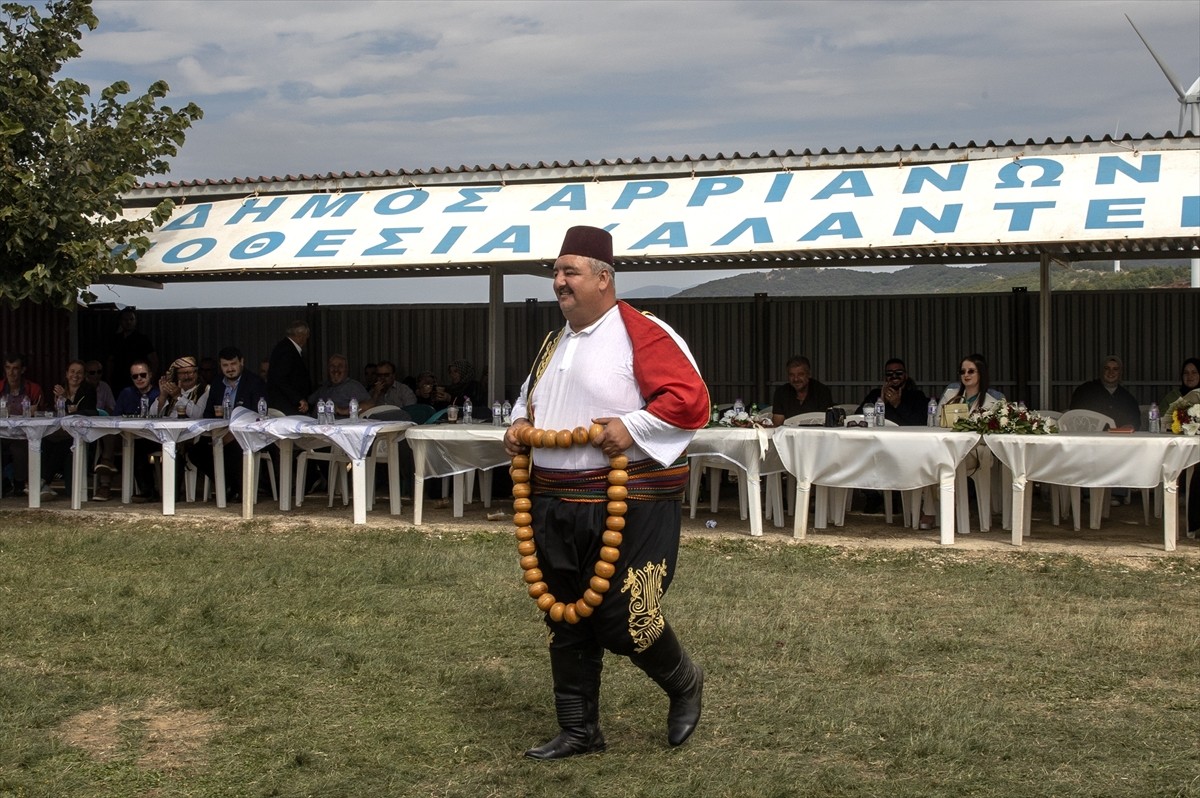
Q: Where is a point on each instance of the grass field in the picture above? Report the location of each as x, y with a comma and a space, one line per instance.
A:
157, 659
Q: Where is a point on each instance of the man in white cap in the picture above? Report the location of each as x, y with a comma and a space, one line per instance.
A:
632, 375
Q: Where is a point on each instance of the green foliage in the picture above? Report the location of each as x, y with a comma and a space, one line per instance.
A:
65, 161
935, 278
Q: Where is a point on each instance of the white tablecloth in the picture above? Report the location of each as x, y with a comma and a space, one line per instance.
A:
454, 450
32, 430
1095, 460
882, 458
754, 454
168, 432
355, 438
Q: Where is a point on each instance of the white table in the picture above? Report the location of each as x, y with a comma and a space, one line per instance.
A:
33, 430
168, 432
355, 438
753, 453
454, 450
1095, 460
881, 458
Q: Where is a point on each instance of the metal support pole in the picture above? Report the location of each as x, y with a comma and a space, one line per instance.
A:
496, 341
1044, 333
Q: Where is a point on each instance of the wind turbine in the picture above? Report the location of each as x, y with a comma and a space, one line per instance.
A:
1189, 101
1189, 115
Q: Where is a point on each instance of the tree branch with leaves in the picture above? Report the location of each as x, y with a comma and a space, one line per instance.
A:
65, 160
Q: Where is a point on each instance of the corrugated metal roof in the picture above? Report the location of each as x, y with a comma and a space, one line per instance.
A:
149, 193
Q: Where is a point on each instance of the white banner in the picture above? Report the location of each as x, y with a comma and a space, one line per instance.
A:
1143, 195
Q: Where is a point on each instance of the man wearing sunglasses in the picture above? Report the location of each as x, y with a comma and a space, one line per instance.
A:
129, 403
903, 402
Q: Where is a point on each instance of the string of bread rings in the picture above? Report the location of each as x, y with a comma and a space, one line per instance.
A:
610, 552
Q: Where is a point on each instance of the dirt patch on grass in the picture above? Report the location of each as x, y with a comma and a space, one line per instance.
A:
161, 736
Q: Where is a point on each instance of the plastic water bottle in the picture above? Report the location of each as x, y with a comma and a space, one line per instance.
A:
467, 411
880, 412
869, 415
60, 406
353, 408
931, 413
26, 408
506, 412
1155, 423
322, 412
227, 407
714, 415
3, 406
497, 418
739, 406
262, 407
144, 406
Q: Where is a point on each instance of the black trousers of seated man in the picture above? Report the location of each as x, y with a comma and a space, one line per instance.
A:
629, 621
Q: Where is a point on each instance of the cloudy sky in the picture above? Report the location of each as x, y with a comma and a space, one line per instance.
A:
294, 87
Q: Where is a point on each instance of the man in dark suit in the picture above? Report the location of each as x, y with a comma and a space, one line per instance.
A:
288, 380
244, 389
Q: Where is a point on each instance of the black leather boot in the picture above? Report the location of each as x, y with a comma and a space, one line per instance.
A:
576, 703
673, 670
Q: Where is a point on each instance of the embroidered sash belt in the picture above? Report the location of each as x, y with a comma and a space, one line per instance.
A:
648, 481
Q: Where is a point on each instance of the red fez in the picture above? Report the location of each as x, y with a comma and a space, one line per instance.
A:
588, 242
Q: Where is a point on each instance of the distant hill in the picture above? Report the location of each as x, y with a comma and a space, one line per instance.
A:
939, 279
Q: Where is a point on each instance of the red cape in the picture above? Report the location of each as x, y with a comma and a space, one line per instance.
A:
672, 387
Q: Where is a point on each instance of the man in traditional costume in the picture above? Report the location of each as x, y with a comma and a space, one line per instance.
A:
631, 379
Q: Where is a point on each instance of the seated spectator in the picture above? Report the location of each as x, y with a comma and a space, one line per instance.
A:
180, 393
371, 374
387, 391
105, 399
801, 394
80, 398
1189, 380
1106, 395
129, 403
426, 389
243, 389
904, 403
972, 387
464, 386
15, 388
340, 387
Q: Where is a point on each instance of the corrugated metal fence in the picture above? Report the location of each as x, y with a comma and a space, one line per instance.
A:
740, 343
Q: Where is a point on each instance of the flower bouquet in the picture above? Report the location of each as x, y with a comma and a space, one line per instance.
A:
1183, 416
732, 418
1005, 417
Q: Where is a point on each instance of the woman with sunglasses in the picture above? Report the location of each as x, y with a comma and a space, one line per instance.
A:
973, 391
972, 387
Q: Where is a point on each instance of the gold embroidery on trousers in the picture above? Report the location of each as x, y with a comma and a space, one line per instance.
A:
645, 589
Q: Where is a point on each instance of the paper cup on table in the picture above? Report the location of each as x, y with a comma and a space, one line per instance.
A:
452, 414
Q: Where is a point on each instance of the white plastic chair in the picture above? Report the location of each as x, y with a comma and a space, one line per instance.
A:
1087, 421
805, 420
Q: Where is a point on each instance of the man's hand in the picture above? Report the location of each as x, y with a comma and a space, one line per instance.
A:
615, 439
303, 405
512, 444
